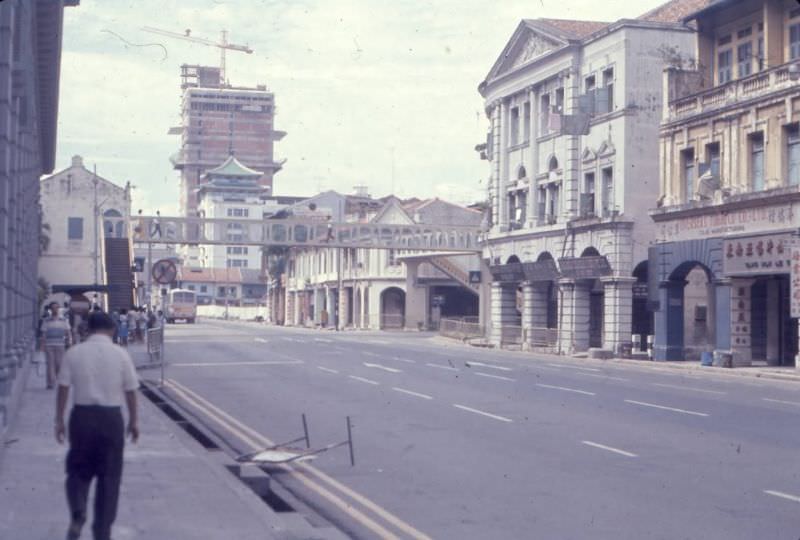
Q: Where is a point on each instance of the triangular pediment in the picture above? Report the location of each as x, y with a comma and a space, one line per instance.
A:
588, 155
606, 149
526, 45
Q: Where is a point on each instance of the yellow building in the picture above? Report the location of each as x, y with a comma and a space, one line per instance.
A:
729, 201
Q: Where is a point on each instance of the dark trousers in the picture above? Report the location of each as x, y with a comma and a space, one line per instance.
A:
96, 440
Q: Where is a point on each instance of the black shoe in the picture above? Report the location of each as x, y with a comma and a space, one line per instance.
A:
74, 531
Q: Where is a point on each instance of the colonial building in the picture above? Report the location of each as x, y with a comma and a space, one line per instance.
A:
730, 201
82, 212
381, 288
574, 108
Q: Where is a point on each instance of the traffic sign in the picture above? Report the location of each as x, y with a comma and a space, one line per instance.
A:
164, 271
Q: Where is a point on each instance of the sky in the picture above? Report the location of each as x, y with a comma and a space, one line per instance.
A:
381, 93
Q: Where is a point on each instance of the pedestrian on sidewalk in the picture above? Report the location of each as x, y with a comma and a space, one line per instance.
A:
101, 376
124, 327
56, 336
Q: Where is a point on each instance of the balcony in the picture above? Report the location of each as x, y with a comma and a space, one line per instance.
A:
686, 101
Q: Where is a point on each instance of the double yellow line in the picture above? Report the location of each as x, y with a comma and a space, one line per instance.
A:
304, 472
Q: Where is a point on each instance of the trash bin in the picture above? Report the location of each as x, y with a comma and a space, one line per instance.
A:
706, 359
723, 359
626, 350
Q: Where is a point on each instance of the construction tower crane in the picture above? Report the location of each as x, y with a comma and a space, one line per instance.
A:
223, 44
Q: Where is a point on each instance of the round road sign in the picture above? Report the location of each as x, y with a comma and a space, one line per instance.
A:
164, 271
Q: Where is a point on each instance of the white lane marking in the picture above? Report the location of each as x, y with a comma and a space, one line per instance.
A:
609, 448
226, 364
573, 367
384, 368
673, 409
327, 370
362, 379
783, 495
379, 341
442, 367
565, 389
599, 376
323, 340
410, 393
495, 376
261, 340
406, 360
782, 401
330, 352
370, 353
292, 339
551, 368
483, 413
679, 387
470, 363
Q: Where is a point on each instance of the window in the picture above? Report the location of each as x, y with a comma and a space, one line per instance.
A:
589, 83
757, 160
552, 211
587, 197
514, 119
560, 100
712, 159
237, 263
234, 231
190, 287
793, 155
75, 228
203, 288
794, 41
608, 191
724, 69
608, 83
542, 207
526, 112
745, 32
238, 212
761, 58
687, 156
744, 57
221, 292
391, 257
545, 112
724, 40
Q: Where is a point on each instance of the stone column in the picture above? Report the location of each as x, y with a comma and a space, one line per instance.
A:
288, 319
344, 307
566, 310
668, 340
533, 168
528, 308
580, 316
503, 310
618, 312
416, 299
502, 183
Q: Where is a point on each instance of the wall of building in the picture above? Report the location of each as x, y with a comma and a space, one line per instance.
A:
72, 194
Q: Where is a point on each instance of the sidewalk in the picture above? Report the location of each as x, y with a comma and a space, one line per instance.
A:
788, 373
171, 488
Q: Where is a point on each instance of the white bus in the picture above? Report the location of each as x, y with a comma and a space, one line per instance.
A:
181, 304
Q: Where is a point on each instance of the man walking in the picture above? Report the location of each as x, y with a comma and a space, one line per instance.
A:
101, 376
56, 335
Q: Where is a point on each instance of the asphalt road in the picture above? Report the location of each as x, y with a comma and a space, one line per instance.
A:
463, 443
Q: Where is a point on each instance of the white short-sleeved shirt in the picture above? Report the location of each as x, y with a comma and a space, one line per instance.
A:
99, 372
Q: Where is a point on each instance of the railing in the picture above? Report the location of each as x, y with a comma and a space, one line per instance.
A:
511, 335
731, 93
463, 328
542, 338
455, 272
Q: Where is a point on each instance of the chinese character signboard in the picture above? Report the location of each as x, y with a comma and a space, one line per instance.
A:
726, 222
757, 255
584, 267
795, 281
507, 273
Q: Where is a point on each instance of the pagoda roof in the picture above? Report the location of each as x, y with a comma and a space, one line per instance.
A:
233, 167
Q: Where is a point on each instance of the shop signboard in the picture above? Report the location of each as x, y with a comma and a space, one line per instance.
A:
757, 255
545, 270
584, 267
722, 222
794, 278
507, 273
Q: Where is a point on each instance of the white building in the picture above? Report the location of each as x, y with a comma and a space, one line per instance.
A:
574, 109
81, 209
381, 288
232, 190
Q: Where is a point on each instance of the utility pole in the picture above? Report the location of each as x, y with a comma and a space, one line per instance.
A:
96, 231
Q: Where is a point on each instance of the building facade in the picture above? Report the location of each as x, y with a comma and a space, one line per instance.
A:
30, 63
730, 189
81, 209
574, 109
367, 288
220, 120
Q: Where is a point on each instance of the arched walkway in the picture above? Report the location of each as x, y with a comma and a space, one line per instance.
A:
393, 308
113, 228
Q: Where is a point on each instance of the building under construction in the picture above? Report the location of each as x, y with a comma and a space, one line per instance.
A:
220, 120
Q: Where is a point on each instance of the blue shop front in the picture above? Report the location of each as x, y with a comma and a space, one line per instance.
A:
721, 284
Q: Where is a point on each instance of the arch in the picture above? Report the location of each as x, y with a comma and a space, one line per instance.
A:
590, 252
680, 272
393, 308
544, 256
512, 259
521, 172
640, 271
552, 163
111, 212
